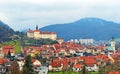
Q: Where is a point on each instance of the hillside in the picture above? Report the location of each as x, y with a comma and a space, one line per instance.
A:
5, 31
96, 28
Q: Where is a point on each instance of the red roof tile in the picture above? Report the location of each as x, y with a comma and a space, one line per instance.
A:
3, 60
77, 66
47, 32
56, 64
32, 31
114, 72
90, 61
6, 49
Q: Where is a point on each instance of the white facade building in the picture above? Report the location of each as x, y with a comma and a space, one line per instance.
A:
36, 34
86, 41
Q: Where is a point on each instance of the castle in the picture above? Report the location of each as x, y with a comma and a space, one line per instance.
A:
36, 34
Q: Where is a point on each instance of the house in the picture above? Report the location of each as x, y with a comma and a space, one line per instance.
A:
6, 49
20, 63
36, 63
91, 64
60, 40
56, 65
77, 67
42, 70
3, 60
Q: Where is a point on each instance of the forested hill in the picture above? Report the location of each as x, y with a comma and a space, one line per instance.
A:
96, 28
5, 31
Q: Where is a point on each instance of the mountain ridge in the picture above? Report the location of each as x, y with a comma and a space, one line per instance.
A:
5, 31
96, 28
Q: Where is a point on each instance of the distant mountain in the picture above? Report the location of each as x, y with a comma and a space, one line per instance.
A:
95, 28
5, 31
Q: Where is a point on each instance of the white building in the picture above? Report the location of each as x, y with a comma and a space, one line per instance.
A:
42, 70
112, 43
36, 34
86, 41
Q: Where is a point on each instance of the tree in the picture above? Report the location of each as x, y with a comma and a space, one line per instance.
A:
9, 54
101, 69
84, 70
28, 67
15, 69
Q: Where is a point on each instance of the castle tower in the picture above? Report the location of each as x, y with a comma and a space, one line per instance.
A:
36, 33
36, 27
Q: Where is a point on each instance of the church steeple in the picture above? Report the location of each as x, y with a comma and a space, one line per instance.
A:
36, 27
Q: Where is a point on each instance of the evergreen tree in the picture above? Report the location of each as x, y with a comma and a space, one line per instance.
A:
84, 70
28, 67
9, 54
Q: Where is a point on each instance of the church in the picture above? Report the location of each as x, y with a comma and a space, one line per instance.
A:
36, 34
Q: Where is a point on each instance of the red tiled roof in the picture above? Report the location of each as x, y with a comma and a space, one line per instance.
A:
33, 60
7, 47
77, 66
103, 57
56, 64
100, 56
5, 51
41, 32
3, 60
114, 72
65, 61
32, 31
90, 61
101, 47
47, 32
57, 46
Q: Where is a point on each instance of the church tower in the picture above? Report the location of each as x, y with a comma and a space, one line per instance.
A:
36, 33
112, 43
36, 27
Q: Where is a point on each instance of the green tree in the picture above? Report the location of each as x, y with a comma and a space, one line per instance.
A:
101, 70
9, 54
28, 67
84, 70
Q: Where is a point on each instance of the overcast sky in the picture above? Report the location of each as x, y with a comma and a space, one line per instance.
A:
24, 14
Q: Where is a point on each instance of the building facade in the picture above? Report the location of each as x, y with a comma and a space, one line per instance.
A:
86, 41
36, 34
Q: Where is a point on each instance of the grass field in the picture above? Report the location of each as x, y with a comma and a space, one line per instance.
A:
15, 43
71, 72
17, 47
63, 72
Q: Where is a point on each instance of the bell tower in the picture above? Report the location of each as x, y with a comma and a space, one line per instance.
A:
112, 43
36, 33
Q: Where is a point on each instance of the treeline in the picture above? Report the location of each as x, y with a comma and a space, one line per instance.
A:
39, 42
5, 32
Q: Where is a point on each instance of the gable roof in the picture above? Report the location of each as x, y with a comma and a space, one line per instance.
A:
3, 60
77, 66
7, 47
90, 61
56, 64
